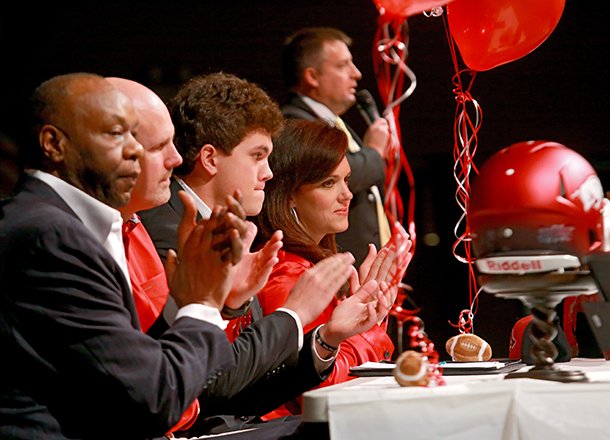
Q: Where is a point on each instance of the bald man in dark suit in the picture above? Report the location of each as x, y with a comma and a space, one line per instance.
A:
76, 364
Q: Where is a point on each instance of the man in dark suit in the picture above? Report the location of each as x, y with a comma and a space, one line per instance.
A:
75, 363
320, 73
275, 363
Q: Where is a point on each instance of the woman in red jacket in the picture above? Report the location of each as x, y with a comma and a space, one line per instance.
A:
308, 199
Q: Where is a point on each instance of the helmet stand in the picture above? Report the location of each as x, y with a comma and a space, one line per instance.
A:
541, 293
536, 209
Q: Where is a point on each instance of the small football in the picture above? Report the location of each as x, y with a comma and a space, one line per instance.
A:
411, 369
467, 347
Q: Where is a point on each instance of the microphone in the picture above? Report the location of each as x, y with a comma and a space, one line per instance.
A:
366, 104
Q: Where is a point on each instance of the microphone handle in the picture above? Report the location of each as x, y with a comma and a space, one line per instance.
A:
367, 107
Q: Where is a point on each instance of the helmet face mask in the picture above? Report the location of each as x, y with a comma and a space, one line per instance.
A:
536, 198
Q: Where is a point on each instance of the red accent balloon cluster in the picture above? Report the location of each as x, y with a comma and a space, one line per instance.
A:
487, 33
492, 33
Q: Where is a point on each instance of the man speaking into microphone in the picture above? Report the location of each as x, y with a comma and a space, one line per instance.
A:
320, 73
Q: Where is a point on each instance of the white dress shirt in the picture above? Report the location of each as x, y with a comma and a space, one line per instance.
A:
106, 224
205, 211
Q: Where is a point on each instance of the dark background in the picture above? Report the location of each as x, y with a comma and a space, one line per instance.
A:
558, 92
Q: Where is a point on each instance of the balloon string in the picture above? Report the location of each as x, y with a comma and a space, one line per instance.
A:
467, 123
390, 54
465, 322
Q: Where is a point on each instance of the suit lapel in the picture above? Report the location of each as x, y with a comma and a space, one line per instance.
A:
174, 200
36, 188
39, 190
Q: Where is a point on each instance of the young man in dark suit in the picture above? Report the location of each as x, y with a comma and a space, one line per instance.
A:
275, 362
322, 78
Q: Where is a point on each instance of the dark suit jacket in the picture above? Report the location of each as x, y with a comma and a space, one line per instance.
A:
268, 372
368, 169
74, 361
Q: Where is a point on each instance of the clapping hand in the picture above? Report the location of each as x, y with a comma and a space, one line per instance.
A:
356, 314
391, 262
202, 269
402, 243
318, 285
254, 268
226, 242
387, 266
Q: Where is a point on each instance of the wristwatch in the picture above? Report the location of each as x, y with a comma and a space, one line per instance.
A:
229, 313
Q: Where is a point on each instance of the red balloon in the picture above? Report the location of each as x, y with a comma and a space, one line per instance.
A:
406, 8
490, 33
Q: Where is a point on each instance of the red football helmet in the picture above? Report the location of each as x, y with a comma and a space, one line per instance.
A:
536, 198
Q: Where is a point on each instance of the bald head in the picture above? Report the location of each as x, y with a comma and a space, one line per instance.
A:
148, 104
56, 102
84, 127
156, 133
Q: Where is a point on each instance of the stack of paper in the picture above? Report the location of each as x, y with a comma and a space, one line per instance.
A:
449, 368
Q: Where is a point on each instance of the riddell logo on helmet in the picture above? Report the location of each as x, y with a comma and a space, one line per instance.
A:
527, 264
513, 266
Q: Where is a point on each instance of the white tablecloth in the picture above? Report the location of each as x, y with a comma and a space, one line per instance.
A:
468, 407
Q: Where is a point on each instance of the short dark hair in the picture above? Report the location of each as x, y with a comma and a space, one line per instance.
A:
302, 49
219, 109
